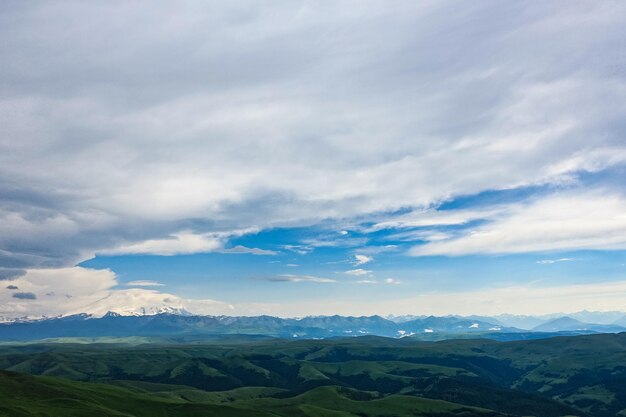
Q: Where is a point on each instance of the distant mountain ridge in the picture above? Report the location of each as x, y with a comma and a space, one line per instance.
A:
529, 322
171, 306
571, 324
620, 322
113, 324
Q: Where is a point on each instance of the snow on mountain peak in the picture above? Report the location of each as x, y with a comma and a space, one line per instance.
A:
134, 302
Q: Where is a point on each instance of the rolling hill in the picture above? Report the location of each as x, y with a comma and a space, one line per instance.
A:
27, 396
554, 377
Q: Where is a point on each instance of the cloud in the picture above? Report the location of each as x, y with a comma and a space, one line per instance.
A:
84, 285
433, 217
591, 219
564, 299
511, 299
144, 283
388, 281
142, 301
360, 259
177, 244
24, 295
222, 140
83, 290
553, 261
300, 278
378, 249
299, 249
420, 235
243, 249
187, 242
10, 273
517, 299
358, 272
269, 122
330, 241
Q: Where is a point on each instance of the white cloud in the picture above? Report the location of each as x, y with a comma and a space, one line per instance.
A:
388, 281
252, 251
432, 217
124, 160
540, 300
420, 235
299, 249
144, 283
592, 219
291, 115
86, 290
300, 278
57, 290
360, 259
553, 261
141, 301
358, 272
378, 249
325, 241
604, 296
187, 242
65, 291
176, 244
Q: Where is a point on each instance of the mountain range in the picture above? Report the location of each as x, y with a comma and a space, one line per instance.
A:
166, 324
570, 324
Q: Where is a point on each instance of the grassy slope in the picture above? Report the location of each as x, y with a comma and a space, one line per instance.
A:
27, 396
460, 371
540, 377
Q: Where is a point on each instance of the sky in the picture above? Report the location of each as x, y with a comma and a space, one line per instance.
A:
296, 158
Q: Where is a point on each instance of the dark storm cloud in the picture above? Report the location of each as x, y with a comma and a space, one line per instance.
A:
25, 296
10, 273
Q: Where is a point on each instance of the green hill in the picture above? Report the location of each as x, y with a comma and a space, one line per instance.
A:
26, 396
581, 375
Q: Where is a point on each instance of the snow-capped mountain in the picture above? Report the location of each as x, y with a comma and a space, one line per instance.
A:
135, 302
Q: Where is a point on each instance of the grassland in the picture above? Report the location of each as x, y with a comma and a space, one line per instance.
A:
366, 376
